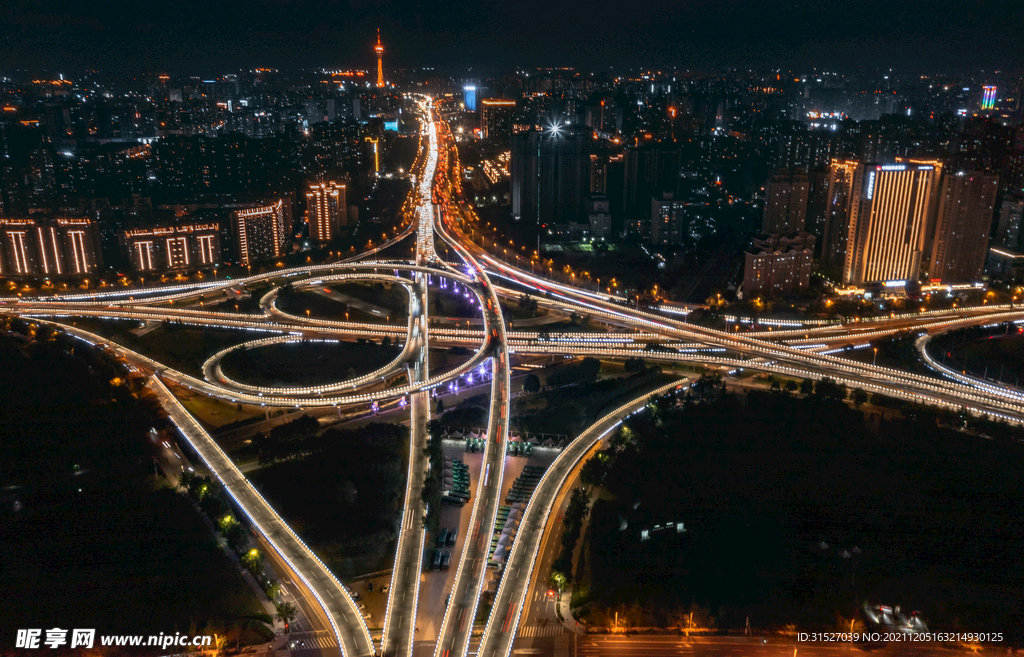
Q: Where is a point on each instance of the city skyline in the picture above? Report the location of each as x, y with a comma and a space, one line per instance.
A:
196, 38
389, 330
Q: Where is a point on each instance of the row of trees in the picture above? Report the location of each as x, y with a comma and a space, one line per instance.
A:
209, 497
433, 484
575, 512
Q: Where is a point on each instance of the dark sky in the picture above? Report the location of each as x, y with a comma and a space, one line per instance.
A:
213, 36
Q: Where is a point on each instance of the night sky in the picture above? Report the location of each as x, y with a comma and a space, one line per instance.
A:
213, 36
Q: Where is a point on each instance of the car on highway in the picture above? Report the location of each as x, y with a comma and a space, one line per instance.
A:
446, 561
453, 533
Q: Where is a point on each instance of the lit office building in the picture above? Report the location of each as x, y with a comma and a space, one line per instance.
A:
496, 117
785, 208
258, 231
889, 209
173, 248
967, 200
49, 247
325, 205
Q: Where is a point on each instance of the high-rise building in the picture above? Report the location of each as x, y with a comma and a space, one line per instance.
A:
778, 265
960, 244
40, 180
598, 174
650, 172
178, 247
259, 231
379, 49
785, 208
325, 205
49, 246
496, 117
550, 174
469, 97
599, 215
988, 97
837, 211
1008, 230
890, 205
668, 221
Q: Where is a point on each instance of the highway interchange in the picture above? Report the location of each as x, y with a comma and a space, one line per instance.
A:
437, 210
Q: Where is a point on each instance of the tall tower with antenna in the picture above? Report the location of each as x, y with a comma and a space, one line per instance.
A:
380, 61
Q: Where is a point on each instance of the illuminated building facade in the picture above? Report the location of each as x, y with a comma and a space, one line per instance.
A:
496, 117
967, 202
837, 211
259, 232
778, 265
469, 97
889, 209
180, 247
325, 205
785, 208
988, 98
49, 247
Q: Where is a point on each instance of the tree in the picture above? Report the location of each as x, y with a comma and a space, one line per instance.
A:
286, 613
385, 341
439, 408
531, 383
253, 560
186, 480
710, 387
557, 580
859, 397
791, 386
595, 469
807, 386
635, 365
828, 388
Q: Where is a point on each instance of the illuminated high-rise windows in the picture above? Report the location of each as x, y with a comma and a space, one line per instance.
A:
325, 206
259, 232
837, 211
888, 217
785, 208
49, 247
177, 248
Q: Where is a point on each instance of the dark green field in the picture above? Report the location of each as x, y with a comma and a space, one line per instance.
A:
98, 541
306, 363
776, 492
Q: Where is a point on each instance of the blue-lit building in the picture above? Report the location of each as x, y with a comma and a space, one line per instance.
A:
469, 94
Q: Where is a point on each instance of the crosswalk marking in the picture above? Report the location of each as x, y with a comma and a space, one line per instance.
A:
553, 629
305, 641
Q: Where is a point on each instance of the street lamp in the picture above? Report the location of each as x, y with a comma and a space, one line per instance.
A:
875, 358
